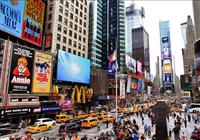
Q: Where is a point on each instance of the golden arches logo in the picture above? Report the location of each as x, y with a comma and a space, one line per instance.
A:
81, 94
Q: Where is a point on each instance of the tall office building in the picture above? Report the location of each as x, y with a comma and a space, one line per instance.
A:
188, 51
134, 19
140, 47
196, 11
183, 30
67, 22
107, 28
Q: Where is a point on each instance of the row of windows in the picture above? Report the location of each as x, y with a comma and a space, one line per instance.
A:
74, 2
64, 48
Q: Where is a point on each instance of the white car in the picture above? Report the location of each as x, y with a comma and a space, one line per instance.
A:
194, 110
45, 121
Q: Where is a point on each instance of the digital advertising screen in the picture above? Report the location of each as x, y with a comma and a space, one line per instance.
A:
11, 15
130, 64
21, 70
112, 64
72, 68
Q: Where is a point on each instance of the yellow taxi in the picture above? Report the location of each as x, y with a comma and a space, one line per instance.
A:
92, 114
39, 128
62, 118
108, 118
176, 109
121, 110
81, 116
89, 123
101, 115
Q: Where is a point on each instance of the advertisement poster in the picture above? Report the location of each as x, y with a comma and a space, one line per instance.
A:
112, 64
73, 68
42, 73
140, 86
139, 66
122, 89
21, 70
167, 68
48, 41
130, 64
11, 15
33, 21
128, 86
168, 78
146, 57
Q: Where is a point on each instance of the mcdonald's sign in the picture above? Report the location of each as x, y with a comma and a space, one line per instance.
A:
79, 95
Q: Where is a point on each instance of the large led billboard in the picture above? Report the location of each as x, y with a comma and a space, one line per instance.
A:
130, 64
72, 68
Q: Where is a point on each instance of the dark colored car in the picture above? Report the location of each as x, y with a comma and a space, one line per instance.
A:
7, 128
73, 126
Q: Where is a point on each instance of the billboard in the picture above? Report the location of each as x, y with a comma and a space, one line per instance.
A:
168, 77
72, 68
11, 15
42, 73
112, 64
48, 41
122, 88
139, 66
130, 64
140, 86
21, 70
33, 21
167, 68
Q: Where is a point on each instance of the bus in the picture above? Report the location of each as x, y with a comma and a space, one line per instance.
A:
194, 108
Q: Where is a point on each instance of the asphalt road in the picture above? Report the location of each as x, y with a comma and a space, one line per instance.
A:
92, 133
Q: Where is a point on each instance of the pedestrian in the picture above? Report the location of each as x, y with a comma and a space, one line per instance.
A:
185, 122
142, 120
168, 118
176, 131
183, 137
76, 137
98, 127
107, 123
189, 118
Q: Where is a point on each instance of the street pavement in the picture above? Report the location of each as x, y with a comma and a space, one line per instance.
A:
93, 133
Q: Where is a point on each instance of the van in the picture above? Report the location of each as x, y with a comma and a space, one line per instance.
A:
62, 118
45, 121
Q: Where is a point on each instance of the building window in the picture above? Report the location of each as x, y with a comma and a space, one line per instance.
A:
66, 13
75, 27
49, 26
65, 30
60, 18
72, 1
61, 9
79, 53
83, 47
50, 7
81, 6
79, 38
75, 44
83, 55
75, 35
61, 1
76, 11
84, 32
80, 30
72, 8
84, 39
77, 3
84, 24
64, 48
81, 14
74, 51
59, 27
58, 37
57, 46
71, 24
64, 39
85, 2
80, 21
50, 16
69, 42
71, 16
79, 46
69, 50
67, 4
65, 21
70, 33
76, 19
85, 17
85, 9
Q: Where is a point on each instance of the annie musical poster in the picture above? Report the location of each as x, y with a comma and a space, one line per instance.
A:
21, 70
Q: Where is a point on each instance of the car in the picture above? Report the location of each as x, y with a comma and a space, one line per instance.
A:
73, 126
89, 123
81, 116
45, 121
36, 128
92, 114
101, 115
62, 118
108, 118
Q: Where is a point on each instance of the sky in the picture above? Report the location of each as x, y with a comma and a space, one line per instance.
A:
174, 11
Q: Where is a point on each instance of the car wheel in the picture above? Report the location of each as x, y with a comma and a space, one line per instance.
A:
54, 123
62, 121
50, 128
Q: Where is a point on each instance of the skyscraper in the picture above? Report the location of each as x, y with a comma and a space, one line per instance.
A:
196, 10
109, 29
188, 51
67, 22
134, 19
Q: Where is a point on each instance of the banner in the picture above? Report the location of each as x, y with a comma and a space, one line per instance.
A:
128, 88
112, 64
140, 86
21, 70
42, 73
11, 15
130, 64
48, 41
139, 66
33, 21
122, 89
